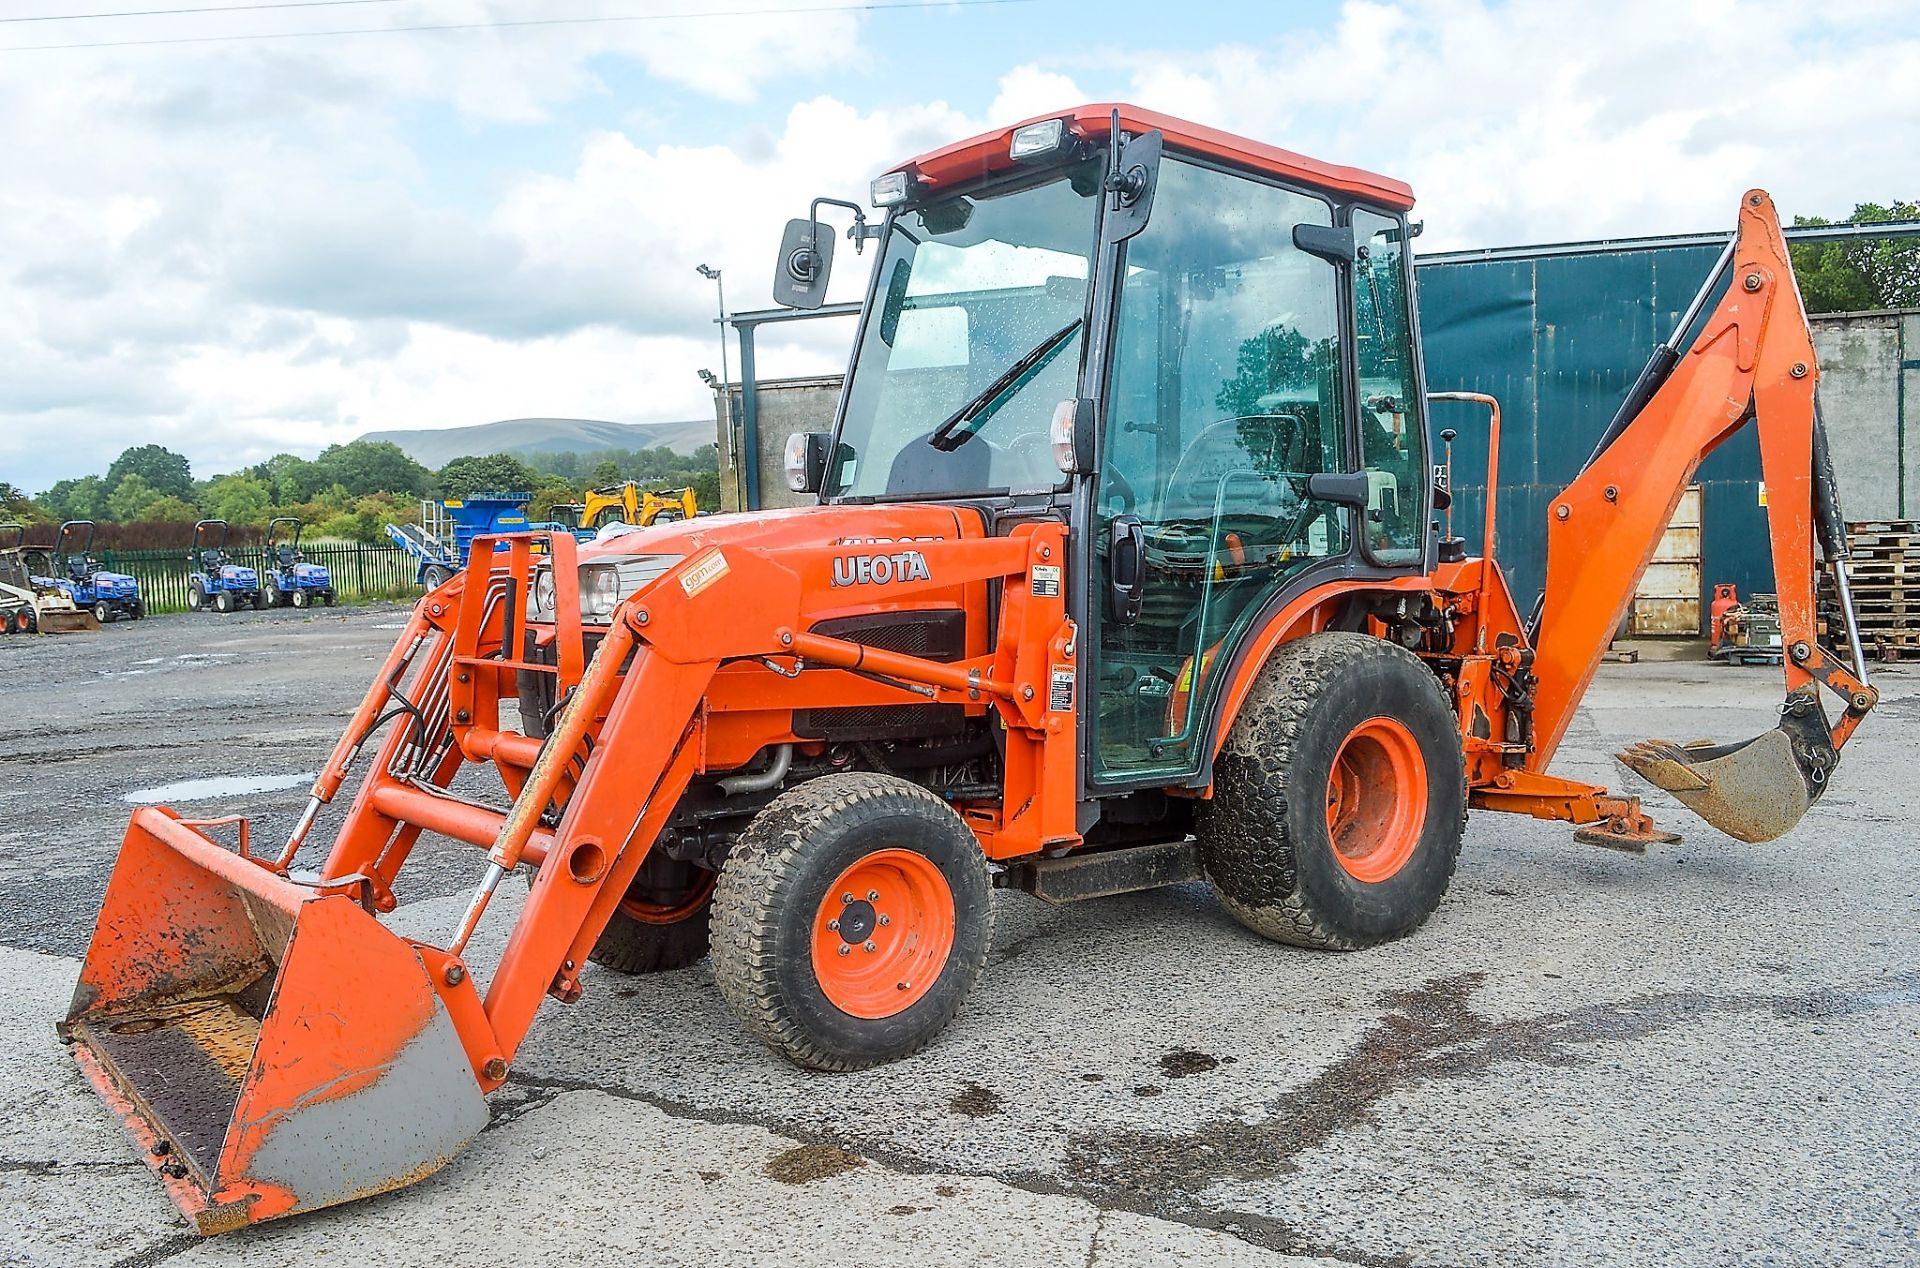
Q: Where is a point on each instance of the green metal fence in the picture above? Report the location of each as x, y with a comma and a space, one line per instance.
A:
359, 572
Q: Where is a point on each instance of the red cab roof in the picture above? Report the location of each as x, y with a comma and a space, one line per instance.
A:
987, 153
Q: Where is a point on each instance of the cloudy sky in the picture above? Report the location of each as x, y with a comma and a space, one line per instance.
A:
236, 247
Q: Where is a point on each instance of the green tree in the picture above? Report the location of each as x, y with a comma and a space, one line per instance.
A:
164, 471
17, 507
605, 472
238, 499
496, 472
82, 499
368, 466
170, 510
131, 496
290, 478
1860, 273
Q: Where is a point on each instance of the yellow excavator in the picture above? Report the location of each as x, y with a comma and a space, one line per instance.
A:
629, 503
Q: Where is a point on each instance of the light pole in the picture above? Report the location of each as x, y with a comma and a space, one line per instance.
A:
726, 386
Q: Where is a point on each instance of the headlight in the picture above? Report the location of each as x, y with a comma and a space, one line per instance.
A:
604, 583
540, 599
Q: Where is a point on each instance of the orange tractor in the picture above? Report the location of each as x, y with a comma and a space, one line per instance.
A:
1127, 570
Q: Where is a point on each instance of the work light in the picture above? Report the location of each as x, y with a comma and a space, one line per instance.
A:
892, 189
1037, 140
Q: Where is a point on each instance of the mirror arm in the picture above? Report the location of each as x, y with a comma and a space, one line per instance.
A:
857, 233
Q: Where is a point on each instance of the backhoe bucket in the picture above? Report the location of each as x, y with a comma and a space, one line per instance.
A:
1755, 790
271, 1049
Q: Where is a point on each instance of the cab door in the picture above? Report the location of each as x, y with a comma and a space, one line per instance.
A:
1226, 391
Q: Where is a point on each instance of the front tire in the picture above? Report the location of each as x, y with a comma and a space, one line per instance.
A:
299, 598
435, 576
662, 921
1339, 796
103, 612
850, 921
223, 602
196, 598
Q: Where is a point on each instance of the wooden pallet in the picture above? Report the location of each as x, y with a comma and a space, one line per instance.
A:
1883, 572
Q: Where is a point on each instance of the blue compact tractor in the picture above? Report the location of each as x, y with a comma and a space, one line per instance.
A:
214, 580
286, 578
108, 595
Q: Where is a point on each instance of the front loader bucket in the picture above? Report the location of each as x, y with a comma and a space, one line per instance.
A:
270, 1049
1755, 790
66, 621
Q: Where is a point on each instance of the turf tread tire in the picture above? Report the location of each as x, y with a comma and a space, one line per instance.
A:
763, 878
1250, 842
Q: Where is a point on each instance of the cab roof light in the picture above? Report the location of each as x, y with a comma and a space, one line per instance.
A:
1037, 140
892, 189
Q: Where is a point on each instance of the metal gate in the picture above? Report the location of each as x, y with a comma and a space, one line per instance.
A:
1667, 601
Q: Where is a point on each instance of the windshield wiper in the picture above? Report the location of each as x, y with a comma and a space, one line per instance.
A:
965, 423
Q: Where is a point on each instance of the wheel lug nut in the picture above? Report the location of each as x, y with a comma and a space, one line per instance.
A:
869, 945
844, 948
903, 986
886, 919
873, 895
834, 925
845, 899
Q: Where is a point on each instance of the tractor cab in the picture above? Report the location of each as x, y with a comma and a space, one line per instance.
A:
1195, 351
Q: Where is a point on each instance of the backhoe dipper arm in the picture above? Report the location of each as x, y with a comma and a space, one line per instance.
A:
1753, 359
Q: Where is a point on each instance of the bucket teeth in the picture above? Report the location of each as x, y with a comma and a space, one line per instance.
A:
1663, 764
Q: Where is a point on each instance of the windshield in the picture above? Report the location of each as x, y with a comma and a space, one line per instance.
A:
974, 337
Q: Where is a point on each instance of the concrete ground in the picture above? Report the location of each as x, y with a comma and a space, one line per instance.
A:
1707, 1055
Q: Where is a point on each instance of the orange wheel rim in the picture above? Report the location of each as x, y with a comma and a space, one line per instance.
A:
1376, 800
671, 913
883, 933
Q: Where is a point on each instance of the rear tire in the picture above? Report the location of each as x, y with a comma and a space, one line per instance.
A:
662, 922
1339, 796
435, 576
795, 893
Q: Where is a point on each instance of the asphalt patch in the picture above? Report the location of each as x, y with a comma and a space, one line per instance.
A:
975, 1101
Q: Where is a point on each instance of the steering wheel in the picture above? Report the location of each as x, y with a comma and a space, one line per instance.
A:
1112, 478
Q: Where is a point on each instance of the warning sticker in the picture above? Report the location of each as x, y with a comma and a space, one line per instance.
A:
1060, 689
1046, 581
704, 573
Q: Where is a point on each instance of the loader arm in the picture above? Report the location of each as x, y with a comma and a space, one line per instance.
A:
1753, 359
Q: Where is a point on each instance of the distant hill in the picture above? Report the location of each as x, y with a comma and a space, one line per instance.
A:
434, 449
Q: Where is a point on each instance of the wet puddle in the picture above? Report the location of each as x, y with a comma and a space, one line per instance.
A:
218, 786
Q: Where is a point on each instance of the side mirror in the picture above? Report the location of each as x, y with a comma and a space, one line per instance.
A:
806, 259
806, 460
1126, 569
1132, 176
1344, 488
1332, 243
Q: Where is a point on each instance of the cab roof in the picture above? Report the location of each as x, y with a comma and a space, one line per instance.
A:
987, 153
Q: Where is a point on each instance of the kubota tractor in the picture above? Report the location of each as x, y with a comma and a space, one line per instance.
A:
1125, 571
